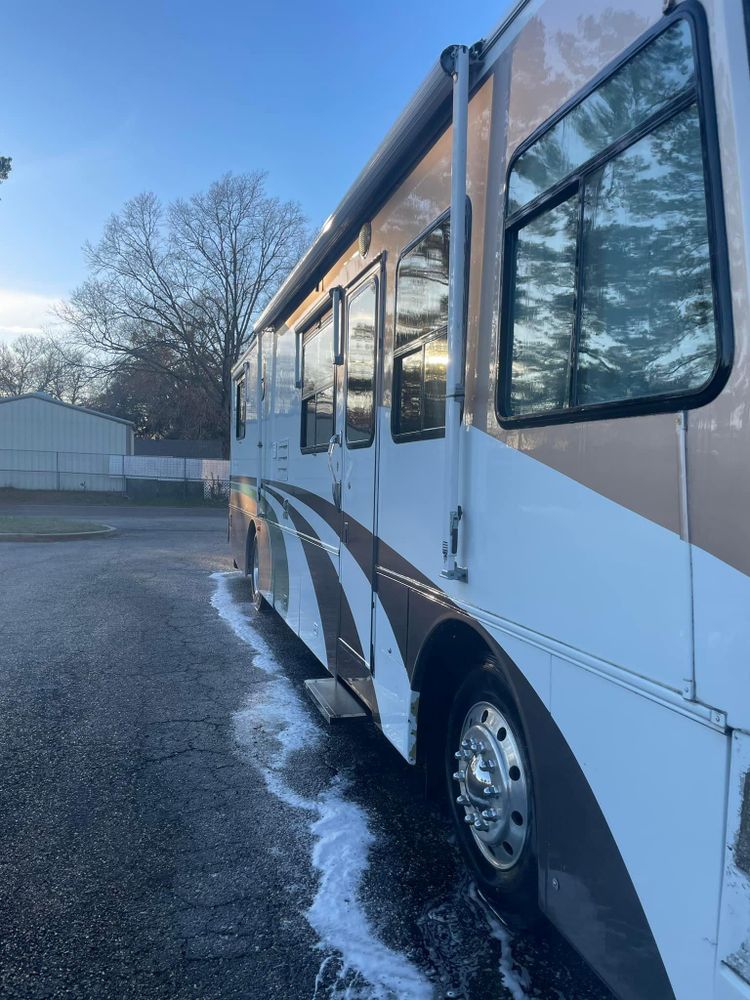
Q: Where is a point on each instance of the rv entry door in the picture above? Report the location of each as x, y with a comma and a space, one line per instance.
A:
361, 330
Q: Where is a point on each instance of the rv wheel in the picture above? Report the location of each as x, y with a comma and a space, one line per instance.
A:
490, 792
259, 601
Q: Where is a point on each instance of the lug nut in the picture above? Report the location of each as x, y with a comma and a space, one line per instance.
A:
468, 818
459, 775
491, 790
479, 824
462, 755
463, 801
490, 813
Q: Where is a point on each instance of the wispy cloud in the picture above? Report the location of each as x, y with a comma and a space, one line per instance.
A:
25, 312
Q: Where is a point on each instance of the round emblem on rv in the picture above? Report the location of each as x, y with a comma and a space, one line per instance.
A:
365, 235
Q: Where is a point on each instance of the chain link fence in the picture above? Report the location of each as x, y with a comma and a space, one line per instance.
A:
141, 474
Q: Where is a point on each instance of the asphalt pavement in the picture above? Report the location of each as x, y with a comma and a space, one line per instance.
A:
177, 822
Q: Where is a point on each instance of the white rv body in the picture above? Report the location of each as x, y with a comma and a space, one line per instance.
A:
606, 549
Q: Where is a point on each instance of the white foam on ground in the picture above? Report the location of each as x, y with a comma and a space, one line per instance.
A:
514, 978
365, 968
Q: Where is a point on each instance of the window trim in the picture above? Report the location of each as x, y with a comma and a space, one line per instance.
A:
702, 96
373, 276
419, 343
308, 333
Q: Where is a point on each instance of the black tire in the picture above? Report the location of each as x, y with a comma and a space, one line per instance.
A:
513, 889
258, 600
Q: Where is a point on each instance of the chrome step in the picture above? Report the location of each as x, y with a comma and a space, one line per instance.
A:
333, 700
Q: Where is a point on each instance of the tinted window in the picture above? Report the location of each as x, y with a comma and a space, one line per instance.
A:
422, 297
543, 301
360, 360
611, 289
317, 360
251, 396
410, 393
239, 409
647, 321
642, 86
421, 351
317, 389
435, 364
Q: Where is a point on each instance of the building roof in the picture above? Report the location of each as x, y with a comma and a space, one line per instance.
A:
46, 398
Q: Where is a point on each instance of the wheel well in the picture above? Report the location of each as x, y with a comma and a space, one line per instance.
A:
444, 661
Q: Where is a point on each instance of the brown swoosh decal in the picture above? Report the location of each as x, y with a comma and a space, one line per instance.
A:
325, 582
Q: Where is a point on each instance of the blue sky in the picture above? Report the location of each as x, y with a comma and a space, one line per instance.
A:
103, 101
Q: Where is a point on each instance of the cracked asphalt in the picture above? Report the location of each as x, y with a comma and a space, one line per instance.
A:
141, 854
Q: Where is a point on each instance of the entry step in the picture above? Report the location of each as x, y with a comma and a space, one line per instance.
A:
332, 699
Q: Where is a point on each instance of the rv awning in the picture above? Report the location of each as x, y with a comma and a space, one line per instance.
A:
415, 129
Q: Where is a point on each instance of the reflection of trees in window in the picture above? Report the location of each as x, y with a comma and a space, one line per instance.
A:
317, 389
647, 324
543, 303
641, 279
421, 350
423, 287
360, 361
284, 396
640, 88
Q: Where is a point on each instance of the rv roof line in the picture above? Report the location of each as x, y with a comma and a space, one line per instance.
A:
413, 131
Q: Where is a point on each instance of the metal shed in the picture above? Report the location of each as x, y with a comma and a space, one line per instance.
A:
48, 444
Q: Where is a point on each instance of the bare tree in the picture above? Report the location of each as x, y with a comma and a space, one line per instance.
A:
176, 289
43, 364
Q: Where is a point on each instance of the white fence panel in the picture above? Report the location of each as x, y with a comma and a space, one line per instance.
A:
70, 470
207, 469
153, 467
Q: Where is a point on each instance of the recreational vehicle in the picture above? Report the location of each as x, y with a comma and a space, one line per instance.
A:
491, 462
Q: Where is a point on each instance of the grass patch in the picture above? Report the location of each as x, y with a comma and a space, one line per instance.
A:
45, 525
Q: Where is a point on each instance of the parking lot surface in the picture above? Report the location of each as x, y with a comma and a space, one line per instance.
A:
177, 822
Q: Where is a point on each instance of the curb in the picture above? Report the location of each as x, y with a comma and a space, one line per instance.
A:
61, 536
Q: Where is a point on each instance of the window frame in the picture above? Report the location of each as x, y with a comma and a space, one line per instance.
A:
703, 98
312, 330
373, 276
240, 407
419, 343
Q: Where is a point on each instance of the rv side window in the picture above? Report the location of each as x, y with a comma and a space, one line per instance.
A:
317, 389
609, 289
240, 410
362, 321
421, 345
251, 396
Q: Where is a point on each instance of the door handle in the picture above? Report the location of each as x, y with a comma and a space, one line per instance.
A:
335, 484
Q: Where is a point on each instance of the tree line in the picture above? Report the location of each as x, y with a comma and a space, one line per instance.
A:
167, 308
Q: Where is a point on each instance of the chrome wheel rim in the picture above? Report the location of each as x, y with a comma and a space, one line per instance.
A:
256, 571
493, 785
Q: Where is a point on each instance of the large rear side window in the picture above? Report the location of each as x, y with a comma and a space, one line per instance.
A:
613, 248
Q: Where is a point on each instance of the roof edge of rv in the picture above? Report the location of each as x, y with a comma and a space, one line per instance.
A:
414, 129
